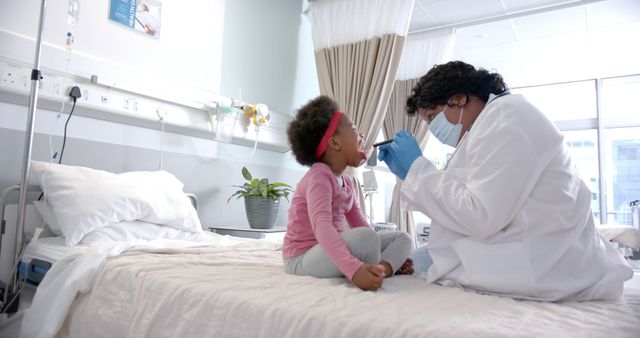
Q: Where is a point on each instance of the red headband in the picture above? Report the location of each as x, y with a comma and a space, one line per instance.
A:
331, 130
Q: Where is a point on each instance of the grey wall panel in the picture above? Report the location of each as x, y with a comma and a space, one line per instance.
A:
211, 179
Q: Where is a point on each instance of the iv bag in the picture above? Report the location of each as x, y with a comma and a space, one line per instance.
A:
73, 10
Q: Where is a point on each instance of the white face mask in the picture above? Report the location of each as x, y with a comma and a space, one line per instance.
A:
445, 131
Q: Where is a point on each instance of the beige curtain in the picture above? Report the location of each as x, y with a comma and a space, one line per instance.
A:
396, 119
360, 76
421, 52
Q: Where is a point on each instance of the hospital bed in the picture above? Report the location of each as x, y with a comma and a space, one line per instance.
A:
237, 288
39, 256
221, 286
41, 253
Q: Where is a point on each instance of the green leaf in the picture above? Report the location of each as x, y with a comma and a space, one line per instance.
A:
237, 193
261, 187
280, 184
246, 174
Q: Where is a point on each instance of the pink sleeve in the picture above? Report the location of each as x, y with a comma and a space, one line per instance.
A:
355, 216
319, 203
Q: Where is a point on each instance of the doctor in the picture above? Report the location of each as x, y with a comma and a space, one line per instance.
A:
510, 214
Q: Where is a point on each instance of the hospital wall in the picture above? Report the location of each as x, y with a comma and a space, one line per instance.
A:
202, 165
207, 168
184, 60
268, 53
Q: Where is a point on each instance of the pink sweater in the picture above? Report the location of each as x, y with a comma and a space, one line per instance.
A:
319, 208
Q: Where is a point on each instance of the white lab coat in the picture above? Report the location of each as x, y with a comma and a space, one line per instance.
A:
510, 214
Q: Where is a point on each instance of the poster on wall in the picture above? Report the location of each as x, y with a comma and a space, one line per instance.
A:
139, 15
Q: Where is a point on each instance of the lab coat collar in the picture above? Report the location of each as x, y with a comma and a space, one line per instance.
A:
494, 96
464, 136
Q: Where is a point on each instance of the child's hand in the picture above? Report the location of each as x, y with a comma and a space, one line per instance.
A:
369, 277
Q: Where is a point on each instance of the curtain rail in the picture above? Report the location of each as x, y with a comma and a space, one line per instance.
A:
513, 15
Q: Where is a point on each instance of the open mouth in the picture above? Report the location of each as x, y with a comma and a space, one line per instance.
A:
363, 155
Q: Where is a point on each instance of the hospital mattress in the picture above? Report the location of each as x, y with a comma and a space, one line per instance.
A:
243, 291
50, 249
39, 255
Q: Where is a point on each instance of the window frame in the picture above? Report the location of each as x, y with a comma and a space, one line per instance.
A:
597, 123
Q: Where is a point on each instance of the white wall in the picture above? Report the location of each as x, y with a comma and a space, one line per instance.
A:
186, 58
208, 177
286, 80
268, 54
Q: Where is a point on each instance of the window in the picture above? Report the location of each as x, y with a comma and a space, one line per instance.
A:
604, 140
573, 106
437, 152
621, 146
584, 154
618, 101
622, 163
564, 101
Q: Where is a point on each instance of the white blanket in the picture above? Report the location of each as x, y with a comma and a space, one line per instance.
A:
237, 288
74, 273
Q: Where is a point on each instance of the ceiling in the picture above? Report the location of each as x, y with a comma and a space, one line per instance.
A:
578, 41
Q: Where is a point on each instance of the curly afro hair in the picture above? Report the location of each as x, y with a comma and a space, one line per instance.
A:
306, 131
455, 77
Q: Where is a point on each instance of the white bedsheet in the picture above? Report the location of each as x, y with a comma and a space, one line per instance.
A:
49, 249
237, 288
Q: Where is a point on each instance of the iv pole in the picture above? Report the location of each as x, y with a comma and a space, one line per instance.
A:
36, 75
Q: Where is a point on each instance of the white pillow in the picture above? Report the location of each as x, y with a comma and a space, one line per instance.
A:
84, 199
137, 230
49, 218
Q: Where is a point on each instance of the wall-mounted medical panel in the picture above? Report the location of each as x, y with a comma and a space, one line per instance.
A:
114, 104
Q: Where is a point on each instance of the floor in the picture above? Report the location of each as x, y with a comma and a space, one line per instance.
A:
10, 326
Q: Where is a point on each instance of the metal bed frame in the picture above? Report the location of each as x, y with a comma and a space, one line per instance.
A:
11, 286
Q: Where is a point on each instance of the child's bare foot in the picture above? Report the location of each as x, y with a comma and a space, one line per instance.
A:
406, 268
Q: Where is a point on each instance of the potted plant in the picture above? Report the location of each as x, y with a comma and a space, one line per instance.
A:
261, 199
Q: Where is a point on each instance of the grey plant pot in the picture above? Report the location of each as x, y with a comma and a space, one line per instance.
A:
261, 212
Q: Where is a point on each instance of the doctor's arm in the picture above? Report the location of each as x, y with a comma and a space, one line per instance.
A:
502, 167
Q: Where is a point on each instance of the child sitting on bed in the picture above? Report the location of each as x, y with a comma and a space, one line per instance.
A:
316, 244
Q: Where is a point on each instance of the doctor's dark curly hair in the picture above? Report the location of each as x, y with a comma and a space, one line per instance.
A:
306, 131
455, 77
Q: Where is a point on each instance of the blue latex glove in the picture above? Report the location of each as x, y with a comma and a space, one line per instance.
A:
400, 153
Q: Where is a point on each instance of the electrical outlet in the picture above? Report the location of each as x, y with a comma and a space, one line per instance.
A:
7, 77
52, 85
11, 76
56, 89
24, 81
45, 86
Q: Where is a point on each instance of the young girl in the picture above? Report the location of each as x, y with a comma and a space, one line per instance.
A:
315, 244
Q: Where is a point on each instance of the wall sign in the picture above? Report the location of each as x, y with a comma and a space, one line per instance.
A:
139, 15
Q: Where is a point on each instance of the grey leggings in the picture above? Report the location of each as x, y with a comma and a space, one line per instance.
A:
365, 244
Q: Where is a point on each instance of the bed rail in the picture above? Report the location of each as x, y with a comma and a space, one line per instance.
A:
4, 200
4, 196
